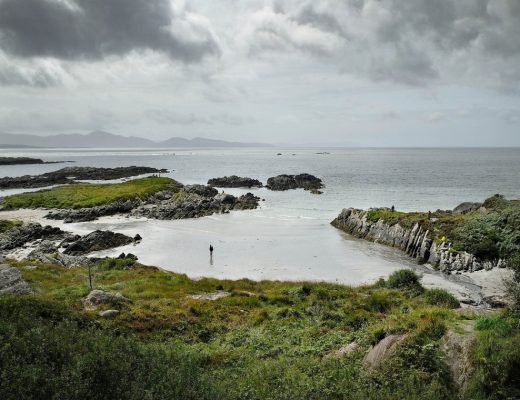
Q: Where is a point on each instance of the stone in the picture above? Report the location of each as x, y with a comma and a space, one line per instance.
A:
22, 234
137, 238
496, 301
108, 313
234, 181
381, 351
11, 281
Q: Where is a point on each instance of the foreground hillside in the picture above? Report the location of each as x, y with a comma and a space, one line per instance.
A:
166, 336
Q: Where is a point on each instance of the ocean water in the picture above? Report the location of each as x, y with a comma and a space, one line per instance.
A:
290, 236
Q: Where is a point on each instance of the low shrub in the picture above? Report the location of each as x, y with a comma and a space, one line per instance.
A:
441, 297
403, 279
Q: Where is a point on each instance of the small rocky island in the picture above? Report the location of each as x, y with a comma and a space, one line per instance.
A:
301, 181
26, 161
234, 181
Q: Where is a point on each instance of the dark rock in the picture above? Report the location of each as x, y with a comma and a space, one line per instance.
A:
96, 241
201, 190
466, 207
301, 181
137, 238
71, 174
234, 181
11, 281
93, 213
496, 301
247, 201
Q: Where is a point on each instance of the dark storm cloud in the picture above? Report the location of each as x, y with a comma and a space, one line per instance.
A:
95, 29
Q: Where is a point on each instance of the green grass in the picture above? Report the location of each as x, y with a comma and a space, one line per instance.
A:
87, 195
6, 224
267, 340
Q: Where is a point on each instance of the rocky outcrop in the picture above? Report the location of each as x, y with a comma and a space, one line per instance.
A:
22, 234
96, 241
73, 174
93, 213
466, 207
416, 242
194, 204
234, 181
48, 253
11, 281
301, 181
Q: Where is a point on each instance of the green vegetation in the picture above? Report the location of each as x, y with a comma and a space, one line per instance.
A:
6, 224
490, 233
266, 340
496, 356
87, 195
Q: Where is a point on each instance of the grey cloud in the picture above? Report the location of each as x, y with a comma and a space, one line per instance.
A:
95, 29
412, 42
36, 77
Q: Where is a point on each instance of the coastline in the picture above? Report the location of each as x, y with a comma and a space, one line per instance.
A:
469, 288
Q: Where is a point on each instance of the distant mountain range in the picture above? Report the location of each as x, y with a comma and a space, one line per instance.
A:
99, 139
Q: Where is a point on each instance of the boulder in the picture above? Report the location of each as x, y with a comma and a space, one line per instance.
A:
96, 241
210, 296
381, 351
97, 297
234, 181
11, 281
137, 238
456, 346
466, 207
301, 181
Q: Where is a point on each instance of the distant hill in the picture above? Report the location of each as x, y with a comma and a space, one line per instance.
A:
99, 139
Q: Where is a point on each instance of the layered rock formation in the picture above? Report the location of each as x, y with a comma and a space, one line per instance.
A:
96, 241
416, 242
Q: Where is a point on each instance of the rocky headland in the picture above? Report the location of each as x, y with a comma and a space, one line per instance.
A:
301, 181
469, 238
26, 161
73, 174
234, 181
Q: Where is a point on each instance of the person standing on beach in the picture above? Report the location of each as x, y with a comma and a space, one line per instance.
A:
210, 250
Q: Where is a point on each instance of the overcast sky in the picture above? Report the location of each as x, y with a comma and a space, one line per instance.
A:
326, 72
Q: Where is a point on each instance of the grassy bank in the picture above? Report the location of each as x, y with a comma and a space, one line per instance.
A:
6, 224
266, 340
87, 195
489, 233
